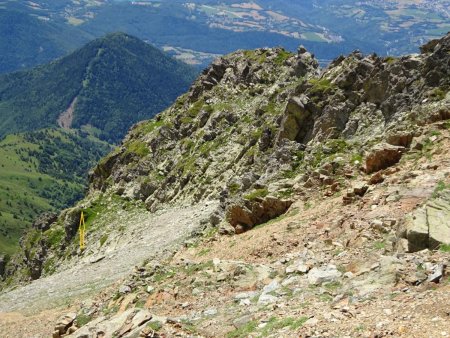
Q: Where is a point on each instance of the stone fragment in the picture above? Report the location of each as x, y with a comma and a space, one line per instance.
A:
328, 273
438, 273
242, 321
64, 322
124, 289
360, 188
265, 299
376, 178
274, 285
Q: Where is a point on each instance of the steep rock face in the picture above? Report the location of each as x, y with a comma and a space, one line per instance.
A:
251, 115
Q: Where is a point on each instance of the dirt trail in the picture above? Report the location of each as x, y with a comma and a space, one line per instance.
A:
147, 235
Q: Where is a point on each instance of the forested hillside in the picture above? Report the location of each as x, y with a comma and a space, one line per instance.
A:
117, 81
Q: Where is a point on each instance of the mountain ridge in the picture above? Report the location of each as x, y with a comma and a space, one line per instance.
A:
313, 194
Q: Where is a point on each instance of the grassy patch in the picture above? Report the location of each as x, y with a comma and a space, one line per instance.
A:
161, 276
137, 147
441, 186
282, 56
444, 247
83, 319
244, 330
274, 324
155, 325
54, 236
103, 239
203, 252
140, 304
379, 245
257, 194
321, 86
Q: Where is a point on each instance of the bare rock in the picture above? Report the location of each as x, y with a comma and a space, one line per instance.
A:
329, 273
383, 156
429, 226
247, 214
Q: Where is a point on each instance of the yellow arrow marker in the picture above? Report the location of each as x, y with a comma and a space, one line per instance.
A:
82, 231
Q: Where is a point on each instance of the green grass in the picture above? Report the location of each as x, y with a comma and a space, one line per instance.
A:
243, 331
103, 239
155, 325
83, 319
282, 56
444, 247
441, 186
41, 171
379, 245
203, 252
137, 147
321, 85
256, 194
274, 324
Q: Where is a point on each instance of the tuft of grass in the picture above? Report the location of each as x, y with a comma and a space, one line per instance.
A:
282, 56
441, 186
321, 86
140, 304
444, 247
234, 188
243, 331
83, 319
137, 147
390, 60
103, 239
155, 325
274, 324
379, 245
256, 194
203, 252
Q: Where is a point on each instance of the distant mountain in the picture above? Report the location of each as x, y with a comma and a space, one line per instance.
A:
109, 84
199, 30
59, 119
27, 41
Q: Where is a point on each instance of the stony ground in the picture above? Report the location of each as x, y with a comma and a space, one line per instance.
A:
98, 269
330, 267
324, 269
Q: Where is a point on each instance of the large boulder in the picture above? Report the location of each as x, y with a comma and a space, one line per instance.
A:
295, 115
244, 216
382, 156
429, 226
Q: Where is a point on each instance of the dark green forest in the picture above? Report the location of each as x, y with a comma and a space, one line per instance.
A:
118, 80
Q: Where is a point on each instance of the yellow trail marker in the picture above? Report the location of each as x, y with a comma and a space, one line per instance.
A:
82, 231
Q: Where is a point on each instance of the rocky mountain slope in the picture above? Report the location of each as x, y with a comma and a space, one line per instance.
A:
319, 206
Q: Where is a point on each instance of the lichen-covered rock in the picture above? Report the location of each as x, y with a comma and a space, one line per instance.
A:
429, 226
